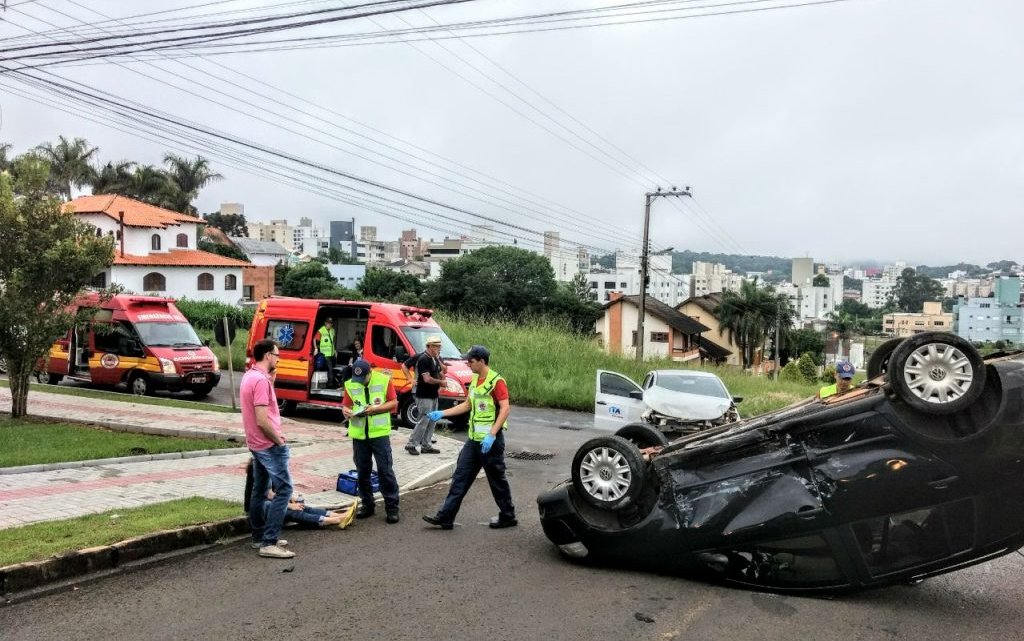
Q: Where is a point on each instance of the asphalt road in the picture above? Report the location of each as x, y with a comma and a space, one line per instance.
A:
409, 581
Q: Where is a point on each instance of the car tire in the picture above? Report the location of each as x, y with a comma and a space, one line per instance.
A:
3, 365
410, 413
608, 472
139, 385
878, 364
53, 379
286, 407
201, 392
936, 373
643, 435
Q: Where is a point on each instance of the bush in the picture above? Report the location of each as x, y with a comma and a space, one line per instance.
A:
791, 373
206, 314
807, 368
829, 374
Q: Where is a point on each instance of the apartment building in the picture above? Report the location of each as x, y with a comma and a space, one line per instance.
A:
875, 293
712, 278
997, 318
930, 319
276, 231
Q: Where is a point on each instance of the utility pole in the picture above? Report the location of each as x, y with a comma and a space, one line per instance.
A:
644, 256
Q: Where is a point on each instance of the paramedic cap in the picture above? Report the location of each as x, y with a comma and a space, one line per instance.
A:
433, 340
478, 352
360, 370
845, 369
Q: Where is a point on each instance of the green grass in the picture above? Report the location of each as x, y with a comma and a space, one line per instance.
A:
547, 366
28, 442
42, 540
237, 349
124, 397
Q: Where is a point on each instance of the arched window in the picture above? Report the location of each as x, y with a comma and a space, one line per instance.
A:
205, 281
230, 282
155, 242
182, 240
154, 282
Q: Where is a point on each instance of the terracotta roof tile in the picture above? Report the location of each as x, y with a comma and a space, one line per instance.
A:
136, 214
181, 258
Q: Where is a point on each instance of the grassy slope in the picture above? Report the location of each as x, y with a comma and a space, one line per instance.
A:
546, 366
27, 442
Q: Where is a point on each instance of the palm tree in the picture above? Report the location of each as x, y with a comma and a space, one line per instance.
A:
113, 178
751, 315
152, 185
843, 325
69, 163
188, 177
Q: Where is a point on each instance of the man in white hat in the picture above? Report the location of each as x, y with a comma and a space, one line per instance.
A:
429, 379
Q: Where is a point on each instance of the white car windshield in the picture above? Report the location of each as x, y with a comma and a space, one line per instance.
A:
418, 336
167, 334
700, 385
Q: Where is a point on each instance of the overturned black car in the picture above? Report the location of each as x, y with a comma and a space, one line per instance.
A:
916, 472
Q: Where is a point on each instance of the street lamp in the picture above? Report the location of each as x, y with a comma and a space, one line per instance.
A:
644, 255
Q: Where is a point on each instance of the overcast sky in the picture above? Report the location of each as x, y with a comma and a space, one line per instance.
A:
863, 129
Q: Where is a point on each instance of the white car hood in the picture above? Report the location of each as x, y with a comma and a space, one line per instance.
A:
687, 407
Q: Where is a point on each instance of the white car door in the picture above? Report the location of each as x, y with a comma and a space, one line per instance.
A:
613, 404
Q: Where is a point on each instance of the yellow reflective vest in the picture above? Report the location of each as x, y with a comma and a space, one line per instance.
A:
375, 392
483, 411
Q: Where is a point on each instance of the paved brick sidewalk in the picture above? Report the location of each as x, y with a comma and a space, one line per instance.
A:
319, 453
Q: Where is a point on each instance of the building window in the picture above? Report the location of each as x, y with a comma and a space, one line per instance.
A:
182, 240
99, 281
659, 337
609, 284
155, 242
622, 285
205, 282
936, 323
230, 283
154, 282
248, 292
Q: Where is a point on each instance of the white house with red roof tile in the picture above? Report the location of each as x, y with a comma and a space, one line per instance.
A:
155, 251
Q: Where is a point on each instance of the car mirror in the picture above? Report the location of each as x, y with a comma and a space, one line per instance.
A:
737, 399
636, 394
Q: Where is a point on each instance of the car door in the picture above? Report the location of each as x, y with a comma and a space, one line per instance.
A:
617, 400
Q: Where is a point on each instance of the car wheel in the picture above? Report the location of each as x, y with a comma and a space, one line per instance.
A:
3, 365
286, 407
42, 377
53, 379
202, 392
937, 373
878, 364
643, 435
139, 385
608, 472
410, 413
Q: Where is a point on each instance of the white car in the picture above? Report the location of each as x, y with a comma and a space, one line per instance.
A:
675, 401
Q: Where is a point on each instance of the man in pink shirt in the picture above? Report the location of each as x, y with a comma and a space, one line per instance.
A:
262, 421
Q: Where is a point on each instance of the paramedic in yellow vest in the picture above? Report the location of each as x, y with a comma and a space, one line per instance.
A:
844, 381
368, 402
324, 342
488, 410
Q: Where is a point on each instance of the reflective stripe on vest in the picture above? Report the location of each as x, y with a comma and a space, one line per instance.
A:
326, 341
376, 393
828, 390
483, 411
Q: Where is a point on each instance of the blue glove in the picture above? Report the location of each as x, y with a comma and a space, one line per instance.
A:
435, 415
485, 445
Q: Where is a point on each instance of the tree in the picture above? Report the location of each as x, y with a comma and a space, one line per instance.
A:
807, 368
856, 308
148, 184
386, 285
750, 316
188, 177
229, 251
338, 257
580, 288
807, 341
113, 178
46, 258
913, 290
313, 280
820, 280
4, 162
69, 162
231, 224
505, 281
843, 326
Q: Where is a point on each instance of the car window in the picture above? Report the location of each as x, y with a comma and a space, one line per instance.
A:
700, 385
904, 540
800, 561
615, 385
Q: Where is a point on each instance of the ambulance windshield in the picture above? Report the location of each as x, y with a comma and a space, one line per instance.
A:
168, 335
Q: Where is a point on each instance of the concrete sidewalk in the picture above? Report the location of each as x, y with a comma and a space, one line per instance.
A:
319, 453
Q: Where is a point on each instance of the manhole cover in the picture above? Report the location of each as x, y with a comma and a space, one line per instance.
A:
566, 426
531, 456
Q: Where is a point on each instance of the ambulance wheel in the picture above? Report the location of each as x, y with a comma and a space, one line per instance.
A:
3, 365
202, 392
139, 385
286, 407
410, 413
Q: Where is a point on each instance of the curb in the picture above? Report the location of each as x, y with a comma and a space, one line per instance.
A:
32, 574
142, 458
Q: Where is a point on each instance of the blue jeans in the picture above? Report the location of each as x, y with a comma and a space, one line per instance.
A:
471, 460
306, 516
269, 470
364, 453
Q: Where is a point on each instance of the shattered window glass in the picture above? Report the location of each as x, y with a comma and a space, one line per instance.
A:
799, 561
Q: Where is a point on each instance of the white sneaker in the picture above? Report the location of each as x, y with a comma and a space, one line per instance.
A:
276, 552
281, 543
